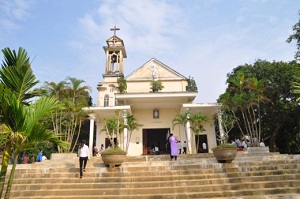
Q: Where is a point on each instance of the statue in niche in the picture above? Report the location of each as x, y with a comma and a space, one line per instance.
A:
154, 72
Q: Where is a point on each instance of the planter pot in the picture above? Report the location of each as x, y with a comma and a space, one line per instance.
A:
225, 155
113, 159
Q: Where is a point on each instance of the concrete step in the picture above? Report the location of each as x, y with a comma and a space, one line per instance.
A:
198, 190
192, 176
161, 170
100, 183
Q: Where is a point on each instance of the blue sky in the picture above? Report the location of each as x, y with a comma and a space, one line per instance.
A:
204, 39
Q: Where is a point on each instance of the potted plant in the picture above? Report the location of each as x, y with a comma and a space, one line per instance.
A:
225, 153
114, 156
156, 85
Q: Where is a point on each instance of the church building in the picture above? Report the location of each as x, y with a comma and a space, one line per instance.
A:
154, 109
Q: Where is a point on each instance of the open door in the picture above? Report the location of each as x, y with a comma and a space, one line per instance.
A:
203, 145
155, 138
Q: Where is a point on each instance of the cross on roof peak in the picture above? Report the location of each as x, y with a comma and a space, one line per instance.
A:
114, 29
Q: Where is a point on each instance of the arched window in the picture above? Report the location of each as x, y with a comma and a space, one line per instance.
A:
106, 101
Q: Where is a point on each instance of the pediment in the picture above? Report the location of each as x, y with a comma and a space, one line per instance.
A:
154, 69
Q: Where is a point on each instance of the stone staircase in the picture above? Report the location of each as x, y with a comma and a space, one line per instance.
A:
252, 175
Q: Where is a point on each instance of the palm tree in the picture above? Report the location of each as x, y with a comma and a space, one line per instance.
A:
258, 87
74, 97
131, 125
16, 74
244, 96
24, 127
181, 119
198, 120
77, 98
16, 78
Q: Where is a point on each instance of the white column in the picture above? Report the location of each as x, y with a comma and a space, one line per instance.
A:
98, 130
188, 132
125, 131
189, 140
92, 121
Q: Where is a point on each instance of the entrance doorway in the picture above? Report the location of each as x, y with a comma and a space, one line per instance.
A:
155, 138
202, 148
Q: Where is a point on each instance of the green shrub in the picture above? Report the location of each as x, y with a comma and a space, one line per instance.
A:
114, 150
225, 146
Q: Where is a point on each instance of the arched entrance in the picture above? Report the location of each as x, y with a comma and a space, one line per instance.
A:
155, 137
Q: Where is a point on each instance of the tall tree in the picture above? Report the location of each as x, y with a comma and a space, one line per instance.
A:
198, 120
273, 93
68, 121
24, 127
296, 36
181, 120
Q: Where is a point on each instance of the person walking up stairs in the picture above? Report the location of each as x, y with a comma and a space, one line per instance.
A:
84, 155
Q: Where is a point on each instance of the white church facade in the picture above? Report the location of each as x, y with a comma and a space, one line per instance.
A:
154, 110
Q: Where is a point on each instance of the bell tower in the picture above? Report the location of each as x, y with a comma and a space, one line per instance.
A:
114, 69
115, 53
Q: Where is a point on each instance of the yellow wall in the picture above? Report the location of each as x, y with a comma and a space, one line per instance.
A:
145, 117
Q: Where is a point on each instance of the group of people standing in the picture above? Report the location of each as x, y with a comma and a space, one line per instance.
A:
245, 142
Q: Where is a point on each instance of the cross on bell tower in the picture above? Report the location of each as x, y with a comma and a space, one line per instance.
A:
114, 29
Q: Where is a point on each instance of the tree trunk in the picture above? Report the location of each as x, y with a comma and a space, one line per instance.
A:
11, 177
273, 136
6, 156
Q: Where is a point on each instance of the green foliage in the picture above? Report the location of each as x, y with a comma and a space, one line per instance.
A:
131, 124
192, 86
16, 74
197, 121
156, 85
296, 36
68, 120
225, 146
262, 99
113, 127
21, 121
115, 150
122, 85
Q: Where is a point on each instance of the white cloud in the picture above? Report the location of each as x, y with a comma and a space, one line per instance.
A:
12, 13
16, 9
9, 25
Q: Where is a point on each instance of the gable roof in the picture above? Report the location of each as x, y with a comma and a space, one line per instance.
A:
114, 41
163, 72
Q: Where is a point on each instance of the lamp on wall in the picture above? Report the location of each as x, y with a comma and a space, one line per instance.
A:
137, 140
